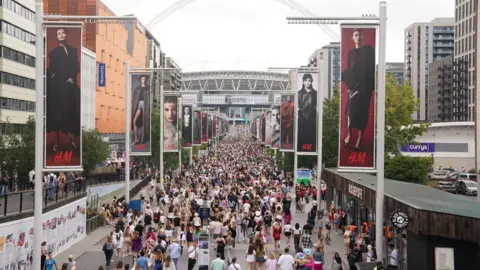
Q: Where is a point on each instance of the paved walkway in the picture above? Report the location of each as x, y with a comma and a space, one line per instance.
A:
88, 252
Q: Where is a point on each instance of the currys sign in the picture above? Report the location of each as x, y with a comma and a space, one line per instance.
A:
419, 147
101, 74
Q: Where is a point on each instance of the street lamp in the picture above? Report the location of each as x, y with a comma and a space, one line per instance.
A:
380, 146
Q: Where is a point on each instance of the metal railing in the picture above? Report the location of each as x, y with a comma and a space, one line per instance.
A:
23, 201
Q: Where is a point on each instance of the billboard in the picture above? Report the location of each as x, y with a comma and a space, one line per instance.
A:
214, 129
197, 127
287, 119
307, 112
209, 126
258, 127
170, 126
187, 126
63, 128
140, 125
357, 101
204, 127
263, 127
268, 130
275, 126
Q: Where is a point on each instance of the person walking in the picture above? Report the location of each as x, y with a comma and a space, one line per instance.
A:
174, 251
108, 249
192, 255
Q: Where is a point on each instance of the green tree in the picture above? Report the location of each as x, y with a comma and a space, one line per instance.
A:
94, 149
408, 169
330, 130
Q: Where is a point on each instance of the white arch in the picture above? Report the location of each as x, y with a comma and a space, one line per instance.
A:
179, 4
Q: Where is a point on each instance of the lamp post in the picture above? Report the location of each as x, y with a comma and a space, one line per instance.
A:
380, 146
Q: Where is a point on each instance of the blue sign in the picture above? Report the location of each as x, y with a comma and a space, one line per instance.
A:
419, 147
101, 74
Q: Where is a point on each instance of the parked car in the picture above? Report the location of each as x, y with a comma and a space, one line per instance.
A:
467, 176
472, 171
446, 186
441, 174
467, 187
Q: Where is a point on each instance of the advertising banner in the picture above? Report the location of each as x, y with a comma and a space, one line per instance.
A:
141, 123
287, 118
61, 229
268, 130
170, 126
258, 127
419, 148
63, 134
357, 99
214, 129
187, 126
101, 74
263, 127
209, 126
204, 127
197, 127
275, 126
307, 112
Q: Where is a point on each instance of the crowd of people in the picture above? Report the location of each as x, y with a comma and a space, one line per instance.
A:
250, 204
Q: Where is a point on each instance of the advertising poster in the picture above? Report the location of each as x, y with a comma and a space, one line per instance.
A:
62, 228
197, 127
170, 126
204, 127
263, 127
140, 125
214, 129
187, 126
63, 132
287, 118
258, 127
357, 99
275, 126
307, 112
268, 130
209, 126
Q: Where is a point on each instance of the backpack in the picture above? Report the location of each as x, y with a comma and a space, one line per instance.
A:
52, 178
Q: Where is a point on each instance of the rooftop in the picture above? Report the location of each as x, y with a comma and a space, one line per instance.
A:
418, 196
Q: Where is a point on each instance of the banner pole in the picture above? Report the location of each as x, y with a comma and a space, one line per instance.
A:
379, 218
161, 130
128, 110
319, 145
39, 135
180, 150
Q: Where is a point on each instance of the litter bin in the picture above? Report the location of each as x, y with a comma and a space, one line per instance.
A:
365, 265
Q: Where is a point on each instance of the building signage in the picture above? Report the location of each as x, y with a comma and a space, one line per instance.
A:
355, 191
101, 74
399, 219
419, 148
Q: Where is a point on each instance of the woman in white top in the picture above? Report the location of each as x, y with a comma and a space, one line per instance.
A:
118, 241
250, 257
288, 233
234, 265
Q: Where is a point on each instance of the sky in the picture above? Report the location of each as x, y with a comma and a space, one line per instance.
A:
207, 35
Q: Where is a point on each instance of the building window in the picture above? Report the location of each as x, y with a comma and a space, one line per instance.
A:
17, 56
16, 80
17, 32
19, 9
11, 128
17, 105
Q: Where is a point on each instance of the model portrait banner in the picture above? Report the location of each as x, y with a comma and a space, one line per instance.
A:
209, 126
197, 127
307, 83
287, 123
357, 99
140, 125
263, 127
204, 127
275, 127
268, 132
258, 127
187, 126
214, 128
170, 126
63, 129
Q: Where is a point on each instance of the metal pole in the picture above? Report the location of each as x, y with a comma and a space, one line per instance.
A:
381, 131
161, 129
191, 156
39, 133
180, 150
295, 160
128, 110
319, 145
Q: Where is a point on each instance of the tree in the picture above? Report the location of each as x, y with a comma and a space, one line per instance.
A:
408, 169
330, 130
94, 149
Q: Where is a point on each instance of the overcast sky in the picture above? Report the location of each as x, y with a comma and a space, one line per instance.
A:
254, 35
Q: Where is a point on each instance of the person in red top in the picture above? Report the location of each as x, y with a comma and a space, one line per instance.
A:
276, 233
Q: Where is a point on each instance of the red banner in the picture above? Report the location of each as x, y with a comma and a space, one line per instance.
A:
357, 99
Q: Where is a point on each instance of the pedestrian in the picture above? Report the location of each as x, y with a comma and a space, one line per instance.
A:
217, 263
250, 257
337, 263
285, 261
71, 262
168, 264
50, 262
108, 249
192, 255
271, 263
142, 262
119, 266
235, 265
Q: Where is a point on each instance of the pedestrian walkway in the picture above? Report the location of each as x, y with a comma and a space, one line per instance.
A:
89, 255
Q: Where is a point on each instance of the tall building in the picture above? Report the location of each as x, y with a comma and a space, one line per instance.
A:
172, 79
17, 64
113, 44
426, 42
154, 61
327, 59
440, 81
397, 70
